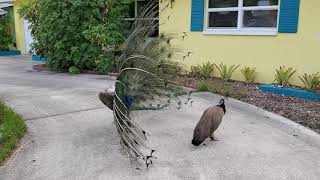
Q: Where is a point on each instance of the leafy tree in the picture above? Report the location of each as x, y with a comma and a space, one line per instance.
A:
5, 34
79, 33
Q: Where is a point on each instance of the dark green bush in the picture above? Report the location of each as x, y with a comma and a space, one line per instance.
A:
203, 87
76, 33
5, 34
104, 66
74, 70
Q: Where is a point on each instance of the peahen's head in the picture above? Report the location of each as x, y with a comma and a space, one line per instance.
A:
222, 105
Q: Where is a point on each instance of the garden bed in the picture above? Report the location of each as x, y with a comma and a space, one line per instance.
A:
39, 58
10, 53
304, 112
12, 129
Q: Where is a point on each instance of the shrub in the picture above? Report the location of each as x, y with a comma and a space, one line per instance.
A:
249, 74
195, 71
226, 72
74, 70
226, 89
203, 87
76, 33
311, 82
284, 75
104, 66
5, 34
206, 69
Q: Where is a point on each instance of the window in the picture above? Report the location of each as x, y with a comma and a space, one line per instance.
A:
4, 7
242, 17
136, 8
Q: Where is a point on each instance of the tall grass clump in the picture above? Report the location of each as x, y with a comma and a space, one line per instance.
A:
284, 75
195, 71
249, 74
206, 69
226, 71
311, 82
12, 129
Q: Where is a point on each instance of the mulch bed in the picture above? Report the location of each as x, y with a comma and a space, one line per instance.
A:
40, 67
304, 112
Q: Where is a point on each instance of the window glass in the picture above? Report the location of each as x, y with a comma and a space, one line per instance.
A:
260, 18
141, 6
227, 19
260, 2
223, 3
131, 10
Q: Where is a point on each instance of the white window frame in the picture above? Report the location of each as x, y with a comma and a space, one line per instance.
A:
136, 12
240, 30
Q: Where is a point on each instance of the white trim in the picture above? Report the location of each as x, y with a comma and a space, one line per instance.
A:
240, 14
247, 32
223, 9
4, 5
240, 30
261, 8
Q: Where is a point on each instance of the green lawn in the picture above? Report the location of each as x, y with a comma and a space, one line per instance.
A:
12, 129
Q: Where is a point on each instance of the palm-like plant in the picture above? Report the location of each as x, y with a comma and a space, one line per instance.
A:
284, 75
145, 74
206, 69
195, 71
226, 72
311, 82
249, 74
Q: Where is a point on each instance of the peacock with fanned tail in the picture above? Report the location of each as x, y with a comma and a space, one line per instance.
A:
145, 73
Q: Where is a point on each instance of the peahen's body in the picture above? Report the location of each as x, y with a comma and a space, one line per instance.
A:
209, 123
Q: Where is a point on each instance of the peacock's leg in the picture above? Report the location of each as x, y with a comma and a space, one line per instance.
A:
213, 138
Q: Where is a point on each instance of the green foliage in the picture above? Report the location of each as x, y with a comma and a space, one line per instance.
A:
283, 75
12, 129
203, 87
249, 74
311, 82
5, 34
104, 66
206, 69
226, 72
227, 90
195, 71
76, 33
74, 70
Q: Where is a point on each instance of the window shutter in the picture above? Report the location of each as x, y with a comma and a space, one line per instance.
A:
289, 16
197, 13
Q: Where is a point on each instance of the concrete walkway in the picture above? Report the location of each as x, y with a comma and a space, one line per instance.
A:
73, 136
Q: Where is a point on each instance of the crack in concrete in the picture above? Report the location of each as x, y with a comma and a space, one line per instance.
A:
62, 114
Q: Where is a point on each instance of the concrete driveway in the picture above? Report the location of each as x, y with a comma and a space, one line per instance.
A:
73, 136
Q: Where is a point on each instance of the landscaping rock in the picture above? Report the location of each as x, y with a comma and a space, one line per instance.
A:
304, 112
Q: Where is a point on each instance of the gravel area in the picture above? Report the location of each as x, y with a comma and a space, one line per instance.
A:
304, 112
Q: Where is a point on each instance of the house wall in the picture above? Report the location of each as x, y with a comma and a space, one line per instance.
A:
299, 50
19, 26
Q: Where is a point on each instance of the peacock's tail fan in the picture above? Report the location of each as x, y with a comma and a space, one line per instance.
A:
144, 80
